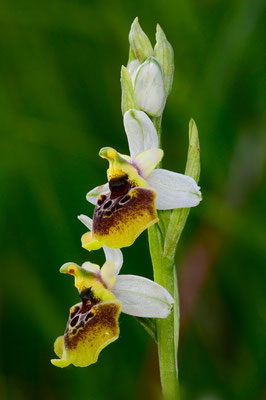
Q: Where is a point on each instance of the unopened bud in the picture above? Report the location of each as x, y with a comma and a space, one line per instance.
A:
149, 87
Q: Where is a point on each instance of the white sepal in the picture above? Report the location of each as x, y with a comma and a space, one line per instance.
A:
141, 133
86, 221
142, 297
174, 190
147, 161
149, 87
115, 256
93, 194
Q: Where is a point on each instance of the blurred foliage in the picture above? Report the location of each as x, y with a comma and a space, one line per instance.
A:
59, 104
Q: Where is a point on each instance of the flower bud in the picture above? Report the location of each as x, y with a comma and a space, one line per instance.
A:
164, 53
139, 42
149, 87
128, 97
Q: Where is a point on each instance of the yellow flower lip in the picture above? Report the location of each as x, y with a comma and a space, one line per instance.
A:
90, 328
119, 220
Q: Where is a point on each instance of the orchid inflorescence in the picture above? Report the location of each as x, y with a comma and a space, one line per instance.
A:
137, 189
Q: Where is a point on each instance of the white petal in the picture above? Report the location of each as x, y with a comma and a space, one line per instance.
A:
142, 297
147, 161
93, 194
114, 255
86, 221
174, 190
141, 133
149, 87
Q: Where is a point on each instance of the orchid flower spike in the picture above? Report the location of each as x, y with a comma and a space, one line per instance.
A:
126, 205
93, 323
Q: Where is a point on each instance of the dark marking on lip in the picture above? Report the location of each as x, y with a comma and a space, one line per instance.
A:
101, 321
101, 199
125, 199
137, 203
107, 204
74, 321
119, 186
74, 312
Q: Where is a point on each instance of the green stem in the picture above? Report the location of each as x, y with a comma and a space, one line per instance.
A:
167, 328
165, 274
163, 240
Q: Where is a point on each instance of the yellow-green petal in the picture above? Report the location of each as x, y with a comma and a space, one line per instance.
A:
148, 160
107, 274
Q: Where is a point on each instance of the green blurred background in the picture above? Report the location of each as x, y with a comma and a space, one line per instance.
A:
59, 104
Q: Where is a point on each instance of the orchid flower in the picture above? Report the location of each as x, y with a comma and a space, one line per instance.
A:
126, 205
93, 323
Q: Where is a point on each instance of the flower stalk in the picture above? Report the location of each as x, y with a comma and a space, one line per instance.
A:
163, 244
166, 329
